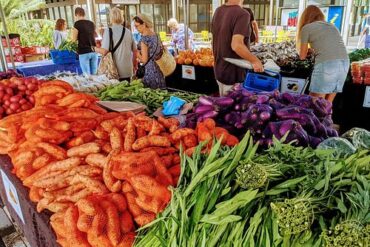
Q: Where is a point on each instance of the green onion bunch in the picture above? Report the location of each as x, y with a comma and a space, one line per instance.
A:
346, 233
251, 175
293, 215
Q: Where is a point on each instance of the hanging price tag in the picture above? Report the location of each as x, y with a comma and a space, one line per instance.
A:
367, 98
188, 72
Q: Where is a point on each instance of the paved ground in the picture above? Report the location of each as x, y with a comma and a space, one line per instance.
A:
9, 235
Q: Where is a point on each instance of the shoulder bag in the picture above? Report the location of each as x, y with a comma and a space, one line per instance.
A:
140, 72
107, 65
166, 62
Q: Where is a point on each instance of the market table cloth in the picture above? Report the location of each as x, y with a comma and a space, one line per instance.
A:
35, 226
47, 67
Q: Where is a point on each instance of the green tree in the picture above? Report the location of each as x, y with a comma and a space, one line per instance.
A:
27, 6
9, 5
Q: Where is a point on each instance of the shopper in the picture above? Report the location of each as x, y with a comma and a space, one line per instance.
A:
365, 33
231, 40
60, 33
84, 33
178, 35
149, 50
331, 62
124, 56
254, 38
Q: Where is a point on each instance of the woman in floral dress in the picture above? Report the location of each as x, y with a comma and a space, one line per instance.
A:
149, 49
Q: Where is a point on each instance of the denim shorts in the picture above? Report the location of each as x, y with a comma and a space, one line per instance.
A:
329, 76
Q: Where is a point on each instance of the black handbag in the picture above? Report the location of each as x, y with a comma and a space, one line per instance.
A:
140, 72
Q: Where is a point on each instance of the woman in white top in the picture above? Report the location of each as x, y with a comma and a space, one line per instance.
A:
125, 55
60, 33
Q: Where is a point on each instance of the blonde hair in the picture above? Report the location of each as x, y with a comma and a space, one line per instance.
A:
311, 14
116, 16
172, 23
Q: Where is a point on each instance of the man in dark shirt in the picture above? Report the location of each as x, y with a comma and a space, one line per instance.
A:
231, 31
84, 33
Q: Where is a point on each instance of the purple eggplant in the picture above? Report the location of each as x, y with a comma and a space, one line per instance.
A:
307, 123
237, 107
314, 141
262, 99
201, 109
286, 126
204, 100
276, 104
209, 114
247, 93
265, 115
224, 102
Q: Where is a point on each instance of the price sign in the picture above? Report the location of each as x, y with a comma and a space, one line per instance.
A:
12, 195
188, 72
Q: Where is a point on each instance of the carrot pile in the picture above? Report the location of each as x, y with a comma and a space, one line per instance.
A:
101, 173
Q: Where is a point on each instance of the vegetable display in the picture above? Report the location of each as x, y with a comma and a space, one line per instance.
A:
304, 119
68, 46
359, 54
136, 92
91, 84
284, 196
8, 74
16, 94
101, 174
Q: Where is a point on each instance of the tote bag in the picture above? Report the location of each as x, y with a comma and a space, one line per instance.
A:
166, 62
107, 66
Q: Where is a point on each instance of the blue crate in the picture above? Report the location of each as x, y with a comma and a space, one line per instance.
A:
262, 82
63, 57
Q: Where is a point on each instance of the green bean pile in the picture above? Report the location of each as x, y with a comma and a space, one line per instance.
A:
285, 196
136, 92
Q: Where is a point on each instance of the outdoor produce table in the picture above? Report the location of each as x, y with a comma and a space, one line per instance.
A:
197, 79
35, 226
47, 67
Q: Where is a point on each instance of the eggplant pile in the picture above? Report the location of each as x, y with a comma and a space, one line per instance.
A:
267, 114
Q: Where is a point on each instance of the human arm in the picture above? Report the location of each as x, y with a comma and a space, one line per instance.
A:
238, 46
303, 51
255, 29
74, 35
134, 53
143, 55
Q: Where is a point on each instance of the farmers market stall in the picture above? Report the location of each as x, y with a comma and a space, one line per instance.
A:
352, 107
95, 177
47, 67
35, 226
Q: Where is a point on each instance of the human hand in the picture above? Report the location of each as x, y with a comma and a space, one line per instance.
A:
257, 66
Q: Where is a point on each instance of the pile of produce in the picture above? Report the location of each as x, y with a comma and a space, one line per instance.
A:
68, 46
85, 84
8, 74
304, 119
284, 54
136, 92
16, 94
285, 196
359, 54
203, 57
36, 32
71, 154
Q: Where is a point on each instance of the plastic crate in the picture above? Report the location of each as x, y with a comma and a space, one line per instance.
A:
262, 82
63, 57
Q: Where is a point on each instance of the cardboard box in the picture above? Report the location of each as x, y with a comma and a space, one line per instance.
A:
15, 51
33, 58
13, 41
17, 58
293, 85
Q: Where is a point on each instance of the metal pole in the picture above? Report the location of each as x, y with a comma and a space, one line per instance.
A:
186, 23
276, 17
6, 35
301, 7
347, 20
271, 16
4, 64
174, 8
